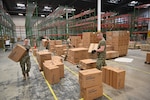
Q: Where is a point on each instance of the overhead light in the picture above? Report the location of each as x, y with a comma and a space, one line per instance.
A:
132, 3
113, 1
20, 14
20, 5
42, 15
46, 7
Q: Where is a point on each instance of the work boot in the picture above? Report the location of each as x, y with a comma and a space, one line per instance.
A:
24, 76
27, 74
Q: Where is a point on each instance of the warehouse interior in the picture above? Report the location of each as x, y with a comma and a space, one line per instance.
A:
62, 72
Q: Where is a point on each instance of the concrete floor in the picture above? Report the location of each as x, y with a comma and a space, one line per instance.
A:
12, 86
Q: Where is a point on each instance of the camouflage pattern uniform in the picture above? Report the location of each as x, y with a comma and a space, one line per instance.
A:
101, 55
25, 60
68, 46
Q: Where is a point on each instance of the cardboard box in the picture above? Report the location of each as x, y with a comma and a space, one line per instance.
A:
42, 56
77, 54
92, 93
90, 77
17, 53
58, 42
57, 58
34, 51
118, 78
148, 57
87, 64
52, 73
45, 42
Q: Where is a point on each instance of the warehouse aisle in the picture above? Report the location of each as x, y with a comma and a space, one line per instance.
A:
12, 86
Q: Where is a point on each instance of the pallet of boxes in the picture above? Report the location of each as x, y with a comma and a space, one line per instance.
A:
147, 58
90, 81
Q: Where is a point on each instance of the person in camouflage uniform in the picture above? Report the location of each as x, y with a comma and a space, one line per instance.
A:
25, 60
101, 52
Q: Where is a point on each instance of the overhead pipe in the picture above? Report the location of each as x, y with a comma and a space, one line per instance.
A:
99, 15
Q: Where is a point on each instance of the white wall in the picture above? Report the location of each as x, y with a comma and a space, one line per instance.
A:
20, 26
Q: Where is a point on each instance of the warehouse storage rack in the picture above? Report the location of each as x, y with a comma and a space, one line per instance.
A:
140, 23
83, 22
7, 29
55, 25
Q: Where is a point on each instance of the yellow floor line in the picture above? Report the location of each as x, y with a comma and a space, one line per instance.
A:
71, 71
77, 76
49, 86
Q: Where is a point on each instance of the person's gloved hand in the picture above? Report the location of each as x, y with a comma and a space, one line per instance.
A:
27, 49
93, 51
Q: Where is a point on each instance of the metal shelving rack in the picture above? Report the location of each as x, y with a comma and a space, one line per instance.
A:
140, 23
55, 24
83, 22
7, 28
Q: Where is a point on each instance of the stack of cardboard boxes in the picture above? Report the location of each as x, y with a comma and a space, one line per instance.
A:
132, 45
114, 77
89, 37
34, 51
112, 54
119, 40
90, 81
52, 44
77, 54
75, 40
87, 64
53, 70
145, 47
17, 53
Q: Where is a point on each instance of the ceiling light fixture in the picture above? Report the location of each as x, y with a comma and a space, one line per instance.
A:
20, 14
132, 3
42, 15
20, 5
113, 1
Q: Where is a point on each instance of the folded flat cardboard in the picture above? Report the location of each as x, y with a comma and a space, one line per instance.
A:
17, 53
52, 73
92, 93
90, 77
93, 46
87, 64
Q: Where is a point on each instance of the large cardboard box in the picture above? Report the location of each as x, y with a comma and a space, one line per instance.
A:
59, 49
90, 77
45, 42
61, 68
148, 57
17, 53
118, 78
58, 42
42, 56
75, 40
92, 93
87, 64
52, 73
77, 54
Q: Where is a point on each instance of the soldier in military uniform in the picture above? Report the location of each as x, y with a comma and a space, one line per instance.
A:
25, 60
101, 51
